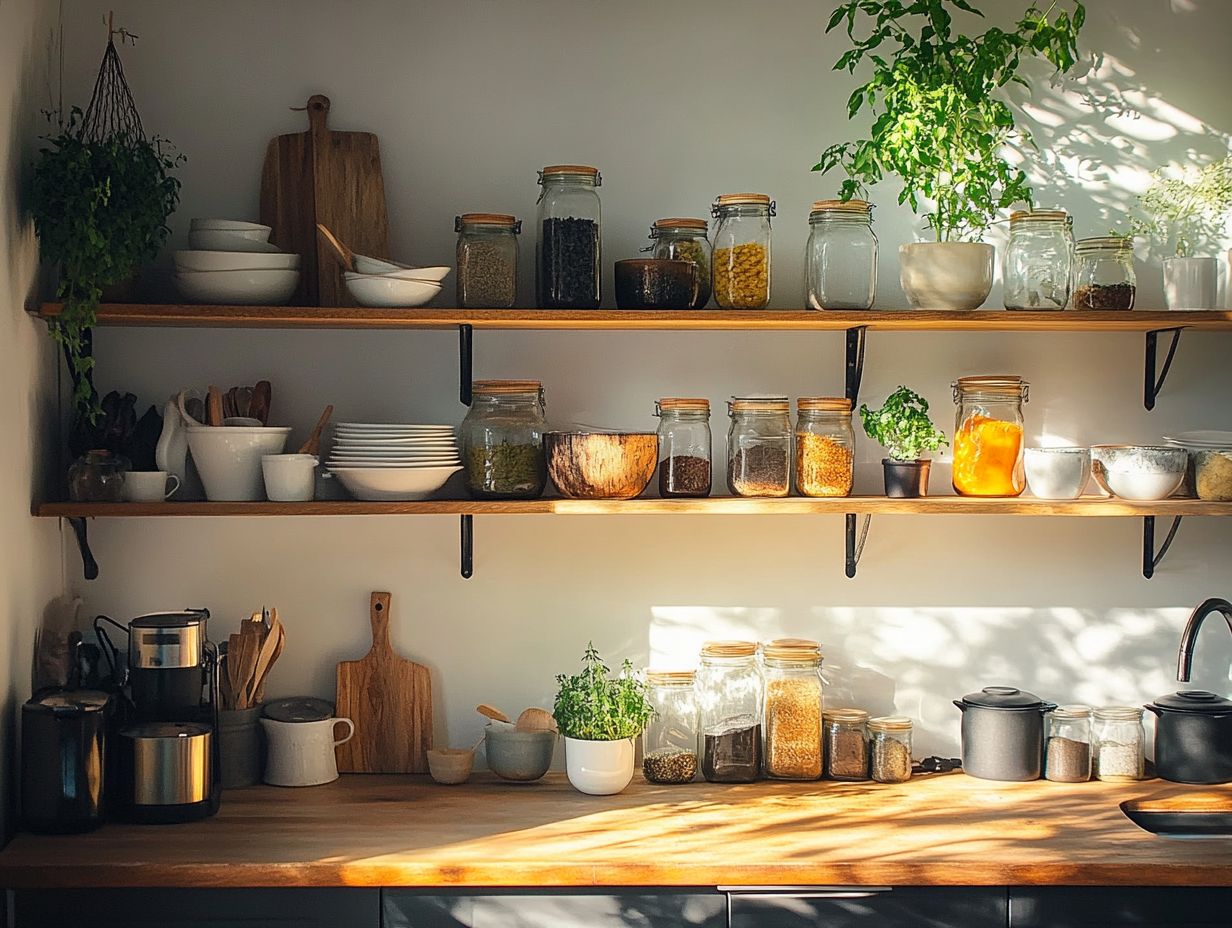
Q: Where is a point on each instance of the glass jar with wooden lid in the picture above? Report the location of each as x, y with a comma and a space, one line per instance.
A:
741, 263
487, 259
502, 440
1118, 744
890, 749
846, 744
1039, 259
567, 252
841, 255
729, 694
685, 240
1105, 278
670, 741
988, 435
684, 447
791, 668
825, 446
759, 446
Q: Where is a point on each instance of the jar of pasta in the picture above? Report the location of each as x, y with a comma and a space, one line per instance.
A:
741, 263
988, 435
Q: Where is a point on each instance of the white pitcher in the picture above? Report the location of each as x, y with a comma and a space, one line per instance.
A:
302, 753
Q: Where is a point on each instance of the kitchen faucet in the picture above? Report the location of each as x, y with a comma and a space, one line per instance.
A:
1184, 658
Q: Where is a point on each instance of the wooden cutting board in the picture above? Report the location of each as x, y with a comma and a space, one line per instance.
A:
333, 178
390, 701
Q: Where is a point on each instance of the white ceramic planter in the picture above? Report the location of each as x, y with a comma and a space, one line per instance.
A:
599, 768
1191, 283
946, 275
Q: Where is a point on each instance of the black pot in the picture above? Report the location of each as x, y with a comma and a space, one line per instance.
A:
1193, 737
906, 479
1003, 733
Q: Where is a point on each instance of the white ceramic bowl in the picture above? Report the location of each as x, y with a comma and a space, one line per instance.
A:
379, 266
1058, 473
229, 459
372, 290
249, 230
1139, 472
243, 288
204, 260
215, 240
394, 483
289, 478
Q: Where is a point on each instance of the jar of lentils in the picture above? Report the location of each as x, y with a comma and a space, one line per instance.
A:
1119, 744
669, 743
741, 273
841, 255
846, 747
729, 694
487, 258
890, 749
684, 446
1106, 277
685, 240
759, 446
567, 258
502, 440
792, 671
1039, 260
825, 443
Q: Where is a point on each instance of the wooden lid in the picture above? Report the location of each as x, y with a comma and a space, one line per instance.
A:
698, 224
670, 677
729, 649
491, 219
505, 387
1106, 243
894, 723
823, 404
1038, 215
743, 199
571, 169
685, 402
853, 716
792, 649
990, 383
767, 403
854, 206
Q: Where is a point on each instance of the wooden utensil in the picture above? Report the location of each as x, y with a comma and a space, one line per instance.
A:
390, 700
280, 635
313, 444
182, 402
262, 396
536, 719
327, 177
213, 407
493, 713
344, 255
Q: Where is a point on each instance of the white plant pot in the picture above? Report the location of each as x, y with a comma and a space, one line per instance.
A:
1190, 283
599, 768
946, 275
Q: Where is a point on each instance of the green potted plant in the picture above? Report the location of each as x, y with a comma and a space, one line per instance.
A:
903, 427
1185, 211
940, 124
600, 715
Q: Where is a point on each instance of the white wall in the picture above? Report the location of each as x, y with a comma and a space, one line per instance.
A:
676, 103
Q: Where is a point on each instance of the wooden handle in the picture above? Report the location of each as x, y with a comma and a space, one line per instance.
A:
213, 407
318, 113
313, 444
262, 397
345, 256
492, 712
379, 609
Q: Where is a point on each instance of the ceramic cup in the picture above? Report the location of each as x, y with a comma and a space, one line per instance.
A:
149, 486
302, 753
1057, 473
289, 478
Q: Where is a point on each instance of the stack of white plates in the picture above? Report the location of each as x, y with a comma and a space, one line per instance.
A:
385, 461
233, 262
1201, 440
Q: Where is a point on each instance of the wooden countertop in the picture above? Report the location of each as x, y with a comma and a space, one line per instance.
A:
406, 831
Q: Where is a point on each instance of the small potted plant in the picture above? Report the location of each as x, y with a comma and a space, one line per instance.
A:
600, 715
903, 427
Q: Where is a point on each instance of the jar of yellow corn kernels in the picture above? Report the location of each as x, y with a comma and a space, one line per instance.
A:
741, 262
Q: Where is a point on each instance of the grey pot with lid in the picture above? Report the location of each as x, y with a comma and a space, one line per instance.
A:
1193, 737
1003, 733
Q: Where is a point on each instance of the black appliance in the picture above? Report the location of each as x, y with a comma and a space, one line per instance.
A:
64, 760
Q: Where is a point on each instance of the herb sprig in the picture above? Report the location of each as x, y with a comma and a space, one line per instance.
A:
593, 706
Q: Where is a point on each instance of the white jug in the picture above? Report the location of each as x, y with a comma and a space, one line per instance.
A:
302, 753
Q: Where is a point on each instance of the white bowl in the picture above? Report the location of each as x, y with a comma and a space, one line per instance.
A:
204, 260
381, 267
1139, 472
371, 290
289, 478
246, 288
394, 483
1058, 473
229, 459
250, 230
215, 240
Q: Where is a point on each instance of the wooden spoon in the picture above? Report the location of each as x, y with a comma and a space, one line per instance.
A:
313, 444
265, 661
262, 396
213, 407
279, 634
344, 255
493, 713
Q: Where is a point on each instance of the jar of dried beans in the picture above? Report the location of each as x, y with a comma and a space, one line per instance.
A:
1106, 278
1118, 742
759, 446
729, 694
741, 264
669, 743
890, 749
487, 258
685, 240
988, 435
846, 744
684, 446
567, 256
502, 440
792, 671
825, 443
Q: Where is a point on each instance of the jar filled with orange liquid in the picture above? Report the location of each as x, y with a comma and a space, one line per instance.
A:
988, 435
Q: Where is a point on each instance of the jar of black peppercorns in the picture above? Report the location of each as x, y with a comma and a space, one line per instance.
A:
684, 446
1106, 278
567, 252
487, 256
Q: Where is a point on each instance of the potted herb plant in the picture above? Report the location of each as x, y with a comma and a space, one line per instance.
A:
940, 125
1184, 211
600, 715
903, 427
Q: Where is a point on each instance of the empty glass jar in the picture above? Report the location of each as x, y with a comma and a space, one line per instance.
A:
502, 440
685, 240
846, 746
825, 446
841, 255
988, 435
487, 259
1119, 744
684, 446
729, 693
567, 258
890, 749
741, 272
1105, 277
1067, 745
759, 446
792, 671
670, 742
1039, 260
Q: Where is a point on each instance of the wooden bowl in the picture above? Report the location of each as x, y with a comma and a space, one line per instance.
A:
601, 465
449, 766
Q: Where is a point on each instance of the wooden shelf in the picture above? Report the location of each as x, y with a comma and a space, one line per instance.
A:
348, 317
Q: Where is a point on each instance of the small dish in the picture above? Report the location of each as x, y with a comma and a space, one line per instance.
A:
1057, 473
391, 292
1145, 473
195, 259
216, 240
450, 766
379, 266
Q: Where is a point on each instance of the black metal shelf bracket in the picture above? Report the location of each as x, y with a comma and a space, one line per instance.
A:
88, 564
855, 547
856, 337
1152, 383
466, 355
467, 537
1151, 557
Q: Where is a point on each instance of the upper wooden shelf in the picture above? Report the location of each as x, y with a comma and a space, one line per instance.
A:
356, 317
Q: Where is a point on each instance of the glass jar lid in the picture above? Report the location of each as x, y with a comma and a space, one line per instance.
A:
1020, 216
891, 723
823, 404
845, 716
682, 404
502, 220
792, 650
670, 677
678, 225
506, 387
1074, 712
724, 649
1107, 244
1118, 714
764, 403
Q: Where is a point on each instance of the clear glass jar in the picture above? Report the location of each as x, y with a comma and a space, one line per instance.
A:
825, 446
1118, 744
487, 259
729, 694
567, 253
846, 745
1039, 260
97, 477
988, 435
741, 274
759, 446
685, 240
841, 255
684, 447
1105, 277
890, 750
1067, 745
502, 440
792, 671
669, 743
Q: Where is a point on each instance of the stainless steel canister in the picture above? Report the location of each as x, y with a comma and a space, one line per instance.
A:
167, 763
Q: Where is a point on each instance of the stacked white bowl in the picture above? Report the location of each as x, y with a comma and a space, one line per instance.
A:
393, 461
233, 262
378, 282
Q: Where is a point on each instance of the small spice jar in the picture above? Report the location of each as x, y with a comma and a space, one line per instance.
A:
1118, 744
729, 694
97, 477
1067, 745
846, 748
502, 440
669, 743
759, 446
841, 255
988, 435
487, 259
684, 447
891, 749
792, 671
741, 263
825, 443
567, 258
1105, 278
1039, 260
685, 240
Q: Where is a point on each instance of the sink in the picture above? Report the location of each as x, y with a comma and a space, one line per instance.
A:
1202, 815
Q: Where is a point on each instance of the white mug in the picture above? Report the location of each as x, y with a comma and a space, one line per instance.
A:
302, 753
149, 486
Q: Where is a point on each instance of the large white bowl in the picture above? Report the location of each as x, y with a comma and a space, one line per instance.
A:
246, 288
394, 483
206, 260
251, 230
214, 240
1139, 472
383, 268
372, 290
229, 459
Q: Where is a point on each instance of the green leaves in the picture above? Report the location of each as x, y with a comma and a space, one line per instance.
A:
1190, 209
592, 706
902, 426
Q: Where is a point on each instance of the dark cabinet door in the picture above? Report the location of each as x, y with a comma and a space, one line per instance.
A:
1120, 907
563, 909
925, 907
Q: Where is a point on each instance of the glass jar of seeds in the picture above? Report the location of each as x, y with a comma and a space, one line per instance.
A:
1118, 744
487, 258
669, 743
729, 695
684, 447
846, 744
502, 440
792, 671
841, 255
890, 749
567, 258
825, 443
1067, 745
741, 262
1039, 260
685, 240
1106, 277
759, 446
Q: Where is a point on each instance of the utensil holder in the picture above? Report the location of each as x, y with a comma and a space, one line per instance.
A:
241, 746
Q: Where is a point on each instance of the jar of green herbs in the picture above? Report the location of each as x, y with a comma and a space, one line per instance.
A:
685, 240
502, 440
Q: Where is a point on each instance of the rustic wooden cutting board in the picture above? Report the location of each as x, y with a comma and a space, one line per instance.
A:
390, 701
333, 178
